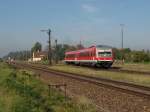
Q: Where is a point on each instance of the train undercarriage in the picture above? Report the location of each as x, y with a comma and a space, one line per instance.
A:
98, 64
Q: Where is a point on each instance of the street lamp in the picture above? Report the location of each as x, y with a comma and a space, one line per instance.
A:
49, 48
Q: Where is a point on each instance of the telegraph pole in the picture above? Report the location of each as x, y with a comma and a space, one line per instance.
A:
56, 52
49, 46
80, 44
27, 55
122, 34
50, 49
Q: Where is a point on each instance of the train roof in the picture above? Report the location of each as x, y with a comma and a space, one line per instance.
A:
97, 46
103, 46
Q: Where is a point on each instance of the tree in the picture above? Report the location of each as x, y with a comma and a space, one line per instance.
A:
126, 50
117, 53
37, 47
18, 55
1, 60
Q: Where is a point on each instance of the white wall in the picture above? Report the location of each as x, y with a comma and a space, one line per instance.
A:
37, 59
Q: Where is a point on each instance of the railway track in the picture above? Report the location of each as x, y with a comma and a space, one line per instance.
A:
130, 88
118, 69
112, 69
129, 71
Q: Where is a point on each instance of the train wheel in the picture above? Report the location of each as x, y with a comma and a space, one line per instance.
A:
67, 63
97, 65
107, 66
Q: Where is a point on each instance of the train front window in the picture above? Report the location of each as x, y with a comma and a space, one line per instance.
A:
104, 54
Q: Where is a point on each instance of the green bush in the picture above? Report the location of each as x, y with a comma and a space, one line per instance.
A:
132, 55
25, 93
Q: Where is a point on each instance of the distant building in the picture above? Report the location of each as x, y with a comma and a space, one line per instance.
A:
38, 56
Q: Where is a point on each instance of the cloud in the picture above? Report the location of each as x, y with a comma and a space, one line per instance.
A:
89, 8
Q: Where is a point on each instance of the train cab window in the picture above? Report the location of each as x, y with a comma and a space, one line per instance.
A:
104, 54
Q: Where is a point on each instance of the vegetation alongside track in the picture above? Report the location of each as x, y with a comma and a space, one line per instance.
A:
145, 67
127, 77
21, 92
130, 56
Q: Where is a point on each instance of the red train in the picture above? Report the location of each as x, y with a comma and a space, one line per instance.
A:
100, 56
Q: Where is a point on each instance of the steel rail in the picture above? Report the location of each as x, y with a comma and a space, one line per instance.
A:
134, 89
112, 69
117, 69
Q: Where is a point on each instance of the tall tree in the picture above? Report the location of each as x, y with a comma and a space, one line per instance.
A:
37, 47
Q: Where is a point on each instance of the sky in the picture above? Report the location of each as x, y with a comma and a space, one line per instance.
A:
92, 22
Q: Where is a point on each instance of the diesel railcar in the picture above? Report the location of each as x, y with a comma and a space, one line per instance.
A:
100, 56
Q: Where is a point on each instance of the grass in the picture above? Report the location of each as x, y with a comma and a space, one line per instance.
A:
127, 77
135, 66
20, 91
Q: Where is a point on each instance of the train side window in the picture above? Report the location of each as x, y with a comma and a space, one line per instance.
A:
86, 54
93, 53
82, 55
66, 56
